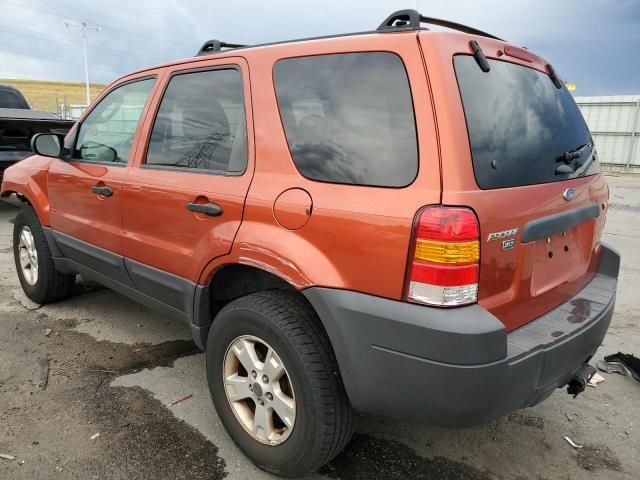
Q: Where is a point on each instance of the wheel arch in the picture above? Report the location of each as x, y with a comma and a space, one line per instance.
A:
232, 281
263, 256
30, 190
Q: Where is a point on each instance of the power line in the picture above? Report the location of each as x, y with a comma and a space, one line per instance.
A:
137, 26
13, 50
217, 32
64, 39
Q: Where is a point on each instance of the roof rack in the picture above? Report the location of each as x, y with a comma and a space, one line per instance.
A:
402, 20
213, 46
412, 19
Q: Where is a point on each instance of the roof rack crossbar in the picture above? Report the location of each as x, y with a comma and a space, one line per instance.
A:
412, 19
214, 46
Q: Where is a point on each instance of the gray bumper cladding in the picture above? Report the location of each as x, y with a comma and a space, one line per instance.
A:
459, 367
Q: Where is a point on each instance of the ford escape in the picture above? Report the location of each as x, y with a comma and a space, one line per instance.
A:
401, 222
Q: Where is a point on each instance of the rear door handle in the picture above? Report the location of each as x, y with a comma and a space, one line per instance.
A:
102, 190
211, 209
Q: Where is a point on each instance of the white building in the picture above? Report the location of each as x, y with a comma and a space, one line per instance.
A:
614, 122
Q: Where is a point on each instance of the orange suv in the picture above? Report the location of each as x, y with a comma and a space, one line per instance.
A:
400, 222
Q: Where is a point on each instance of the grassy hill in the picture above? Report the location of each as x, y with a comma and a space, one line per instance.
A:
47, 95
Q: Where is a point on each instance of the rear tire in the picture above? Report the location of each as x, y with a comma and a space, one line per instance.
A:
282, 322
37, 273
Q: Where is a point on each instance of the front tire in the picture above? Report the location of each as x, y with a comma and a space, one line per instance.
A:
275, 383
40, 280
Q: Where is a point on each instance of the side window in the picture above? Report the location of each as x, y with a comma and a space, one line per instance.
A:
349, 118
106, 135
201, 123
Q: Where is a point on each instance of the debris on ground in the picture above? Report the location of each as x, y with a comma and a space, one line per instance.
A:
572, 443
608, 367
180, 400
595, 380
526, 420
90, 370
94, 436
7, 456
594, 457
629, 362
44, 373
47, 332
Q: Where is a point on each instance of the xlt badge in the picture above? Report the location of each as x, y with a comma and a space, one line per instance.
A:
502, 235
508, 244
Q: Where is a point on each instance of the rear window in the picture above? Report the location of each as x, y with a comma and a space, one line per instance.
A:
520, 125
10, 99
349, 118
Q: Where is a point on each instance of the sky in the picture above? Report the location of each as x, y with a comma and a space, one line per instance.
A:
594, 43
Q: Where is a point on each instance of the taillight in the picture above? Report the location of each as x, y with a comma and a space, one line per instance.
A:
444, 264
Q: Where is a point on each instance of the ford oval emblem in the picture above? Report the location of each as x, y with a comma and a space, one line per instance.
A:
569, 194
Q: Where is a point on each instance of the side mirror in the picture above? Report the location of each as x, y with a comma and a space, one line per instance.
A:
48, 144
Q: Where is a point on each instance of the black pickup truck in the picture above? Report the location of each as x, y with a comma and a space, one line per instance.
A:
18, 123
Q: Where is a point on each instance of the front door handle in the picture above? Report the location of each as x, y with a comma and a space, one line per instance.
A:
102, 190
211, 209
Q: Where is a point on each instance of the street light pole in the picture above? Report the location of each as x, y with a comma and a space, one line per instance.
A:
84, 26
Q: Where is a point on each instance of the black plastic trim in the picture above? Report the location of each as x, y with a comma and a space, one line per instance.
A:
478, 54
68, 265
95, 258
609, 262
172, 290
543, 227
176, 297
201, 306
554, 76
422, 354
214, 46
51, 241
412, 19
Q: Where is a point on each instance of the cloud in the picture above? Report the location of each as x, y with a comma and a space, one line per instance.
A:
591, 43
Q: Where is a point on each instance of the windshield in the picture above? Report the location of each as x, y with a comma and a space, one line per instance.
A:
522, 129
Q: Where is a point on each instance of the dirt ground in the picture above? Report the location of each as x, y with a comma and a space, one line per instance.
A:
114, 368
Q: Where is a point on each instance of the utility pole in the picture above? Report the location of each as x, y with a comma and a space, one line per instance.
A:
84, 26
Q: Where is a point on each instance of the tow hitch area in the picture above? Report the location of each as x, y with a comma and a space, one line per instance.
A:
579, 381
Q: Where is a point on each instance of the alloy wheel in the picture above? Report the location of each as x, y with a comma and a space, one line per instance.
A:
259, 390
28, 255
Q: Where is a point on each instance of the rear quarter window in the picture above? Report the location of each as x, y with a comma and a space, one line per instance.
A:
520, 125
349, 118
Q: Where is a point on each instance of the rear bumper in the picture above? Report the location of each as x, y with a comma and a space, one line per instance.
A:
459, 367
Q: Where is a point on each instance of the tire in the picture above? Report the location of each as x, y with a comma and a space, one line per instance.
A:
48, 285
323, 424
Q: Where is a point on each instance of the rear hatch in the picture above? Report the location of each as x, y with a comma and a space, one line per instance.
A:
532, 176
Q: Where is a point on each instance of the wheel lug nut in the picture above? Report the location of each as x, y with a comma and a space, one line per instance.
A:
269, 396
260, 402
265, 379
254, 374
251, 387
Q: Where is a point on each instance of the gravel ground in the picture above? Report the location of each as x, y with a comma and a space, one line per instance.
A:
114, 368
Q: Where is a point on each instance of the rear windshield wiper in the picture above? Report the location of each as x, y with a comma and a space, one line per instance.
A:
587, 165
570, 159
